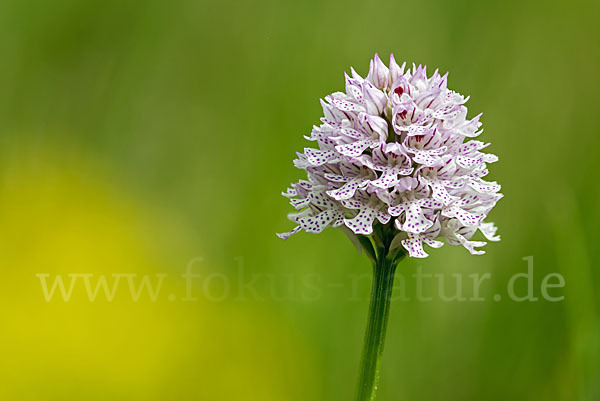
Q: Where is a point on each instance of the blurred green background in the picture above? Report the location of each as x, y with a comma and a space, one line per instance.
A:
136, 136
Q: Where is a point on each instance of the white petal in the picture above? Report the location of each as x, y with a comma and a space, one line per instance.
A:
489, 231
415, 221
319, 157
470, 245
285, 236
414, 246
466, 218
362, 223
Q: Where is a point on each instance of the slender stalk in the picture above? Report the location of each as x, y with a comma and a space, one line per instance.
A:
379, 308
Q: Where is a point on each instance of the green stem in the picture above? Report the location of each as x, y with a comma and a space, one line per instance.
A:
379, 308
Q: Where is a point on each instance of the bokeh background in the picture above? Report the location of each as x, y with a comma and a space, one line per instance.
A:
136, 136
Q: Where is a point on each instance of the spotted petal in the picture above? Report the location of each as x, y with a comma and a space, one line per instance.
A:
415, 221
355, 149
319, 157
466, 218
347, 106
362, 223
289, 234
347, 191
414, 245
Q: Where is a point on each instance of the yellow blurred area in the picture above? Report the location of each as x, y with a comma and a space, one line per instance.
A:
61, 214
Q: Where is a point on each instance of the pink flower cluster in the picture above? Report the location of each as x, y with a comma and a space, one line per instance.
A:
396, 149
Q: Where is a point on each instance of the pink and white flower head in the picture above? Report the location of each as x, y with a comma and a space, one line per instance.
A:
395, 157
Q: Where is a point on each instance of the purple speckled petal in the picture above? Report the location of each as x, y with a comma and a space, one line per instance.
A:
319, 157
355, 149
362, 223
414, 246
415, 221
289, 234
466, 218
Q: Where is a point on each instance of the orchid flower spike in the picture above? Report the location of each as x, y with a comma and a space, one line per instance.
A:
396, 154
